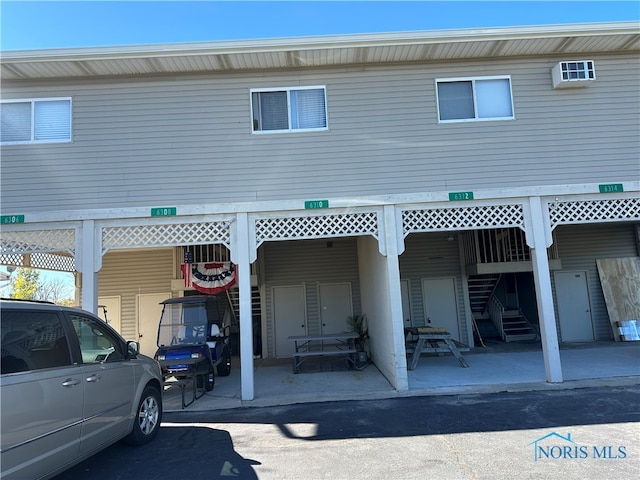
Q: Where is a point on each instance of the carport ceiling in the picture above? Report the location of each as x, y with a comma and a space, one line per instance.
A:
324, 51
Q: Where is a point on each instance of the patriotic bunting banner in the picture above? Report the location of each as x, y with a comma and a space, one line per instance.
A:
209, 278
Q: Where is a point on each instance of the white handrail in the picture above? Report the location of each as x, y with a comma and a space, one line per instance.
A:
499, 245
496, 310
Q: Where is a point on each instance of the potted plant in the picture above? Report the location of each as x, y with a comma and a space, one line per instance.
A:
358, 324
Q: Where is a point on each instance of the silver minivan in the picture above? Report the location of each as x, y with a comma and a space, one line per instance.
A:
69, 387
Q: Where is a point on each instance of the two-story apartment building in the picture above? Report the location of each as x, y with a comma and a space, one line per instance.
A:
439, 178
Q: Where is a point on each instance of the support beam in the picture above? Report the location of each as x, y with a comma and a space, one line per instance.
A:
241, 257
539, 239
468, 313
395, 294
89, 265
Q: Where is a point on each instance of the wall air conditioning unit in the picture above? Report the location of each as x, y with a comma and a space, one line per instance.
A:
573, 74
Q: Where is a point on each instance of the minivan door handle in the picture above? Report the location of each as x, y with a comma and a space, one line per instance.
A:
71, 382
94, 378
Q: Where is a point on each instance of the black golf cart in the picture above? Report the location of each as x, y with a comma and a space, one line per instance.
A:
193, 339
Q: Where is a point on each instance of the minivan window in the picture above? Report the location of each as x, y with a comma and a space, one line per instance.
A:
32, 341
97, 343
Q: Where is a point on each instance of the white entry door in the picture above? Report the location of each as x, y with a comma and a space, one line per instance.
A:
289, 317
148, 310
440, 304
335, 307
112, 306
574, 312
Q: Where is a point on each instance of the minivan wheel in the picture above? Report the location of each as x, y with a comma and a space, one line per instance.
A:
148, 417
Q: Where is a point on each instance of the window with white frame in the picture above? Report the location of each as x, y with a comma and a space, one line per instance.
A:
36, 121
289, 109
483, 98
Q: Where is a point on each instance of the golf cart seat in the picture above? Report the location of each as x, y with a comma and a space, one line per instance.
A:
214, 331
189, 334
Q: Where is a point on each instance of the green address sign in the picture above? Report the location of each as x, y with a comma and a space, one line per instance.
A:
9, 219
611, 188
456, 196
309, 204
164, 211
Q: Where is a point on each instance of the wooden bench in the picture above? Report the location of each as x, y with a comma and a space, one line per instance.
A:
320, 345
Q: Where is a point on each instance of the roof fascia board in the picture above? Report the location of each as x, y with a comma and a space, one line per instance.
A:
321, 42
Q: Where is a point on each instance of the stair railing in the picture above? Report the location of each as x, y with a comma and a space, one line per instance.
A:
530, 325
487, 293
493, 291
496, 311
496, 245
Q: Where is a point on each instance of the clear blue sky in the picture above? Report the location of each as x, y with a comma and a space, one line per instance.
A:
54, 24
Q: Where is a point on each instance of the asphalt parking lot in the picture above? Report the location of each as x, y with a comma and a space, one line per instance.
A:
578, 433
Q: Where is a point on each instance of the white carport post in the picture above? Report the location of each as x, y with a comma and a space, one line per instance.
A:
394, 247
90, 259
381, 298
242, 258
539, 239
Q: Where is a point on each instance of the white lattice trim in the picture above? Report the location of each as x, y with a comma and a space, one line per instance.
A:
15, 259
45, 261
587, 211
52, 261
165, 235
462, 218
37, 241
316, 226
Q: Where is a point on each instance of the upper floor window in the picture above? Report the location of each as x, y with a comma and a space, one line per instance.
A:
34, 121
288, 109
484, 98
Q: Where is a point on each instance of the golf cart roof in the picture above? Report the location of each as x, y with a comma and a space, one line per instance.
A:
189, 299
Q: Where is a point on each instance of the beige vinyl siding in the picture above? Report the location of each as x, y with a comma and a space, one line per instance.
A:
431, 255
579, 246
131, 272
187, 138
309, 263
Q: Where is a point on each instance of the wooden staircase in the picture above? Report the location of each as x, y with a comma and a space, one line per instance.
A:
491, 318
517, 327
481, 287
234, 299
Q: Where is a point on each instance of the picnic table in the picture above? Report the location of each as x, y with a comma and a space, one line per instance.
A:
430, 340
188, 380
326, 344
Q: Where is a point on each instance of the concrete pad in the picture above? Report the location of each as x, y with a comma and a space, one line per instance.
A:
613, 363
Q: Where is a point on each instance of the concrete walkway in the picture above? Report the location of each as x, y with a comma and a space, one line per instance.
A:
275, 383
